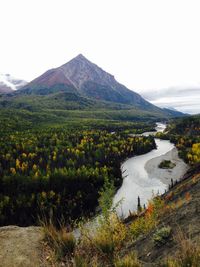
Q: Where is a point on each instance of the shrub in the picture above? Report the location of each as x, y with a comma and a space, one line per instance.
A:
110, 235
149, 220
162, 236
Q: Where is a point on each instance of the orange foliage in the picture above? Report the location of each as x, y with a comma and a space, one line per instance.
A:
188, 196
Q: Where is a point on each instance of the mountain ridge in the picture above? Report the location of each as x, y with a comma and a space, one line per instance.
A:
81, 85
87, 79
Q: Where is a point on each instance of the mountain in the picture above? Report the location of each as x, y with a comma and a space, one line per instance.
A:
82, 77
9, 83
82, 85
185, 99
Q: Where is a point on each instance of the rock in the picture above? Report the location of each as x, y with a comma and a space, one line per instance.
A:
20, 246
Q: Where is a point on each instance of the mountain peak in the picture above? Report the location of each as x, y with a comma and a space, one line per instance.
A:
79, 59
85, 78
80, 56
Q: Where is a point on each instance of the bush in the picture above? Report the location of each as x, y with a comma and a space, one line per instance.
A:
162, 236
110, 235
149, 220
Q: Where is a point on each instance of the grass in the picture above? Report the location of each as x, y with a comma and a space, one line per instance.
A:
188, 254
129, 260
61, 241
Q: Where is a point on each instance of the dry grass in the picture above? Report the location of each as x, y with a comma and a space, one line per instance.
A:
60, 240
129, 260
188, 254
101, 247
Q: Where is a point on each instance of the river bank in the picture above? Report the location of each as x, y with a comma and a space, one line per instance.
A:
165, 175
143, 177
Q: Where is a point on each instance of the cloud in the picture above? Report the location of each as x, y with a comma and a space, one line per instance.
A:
183, 99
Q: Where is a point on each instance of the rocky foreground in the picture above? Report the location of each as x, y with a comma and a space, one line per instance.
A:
21, 246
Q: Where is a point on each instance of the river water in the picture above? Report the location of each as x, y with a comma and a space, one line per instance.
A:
136, 181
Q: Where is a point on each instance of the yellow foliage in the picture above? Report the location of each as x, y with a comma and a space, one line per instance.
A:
110, 235
13, 171
43, 195
17, 164
144, 224
35, 168
24, 155
51, 194
194, 156
24, 166
36, 175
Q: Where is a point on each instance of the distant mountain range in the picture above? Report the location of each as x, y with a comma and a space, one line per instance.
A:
9, 83
77, 85
184, 99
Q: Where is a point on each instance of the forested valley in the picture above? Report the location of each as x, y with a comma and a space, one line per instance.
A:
59, 171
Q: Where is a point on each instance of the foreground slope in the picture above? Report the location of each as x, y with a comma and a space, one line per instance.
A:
182, 214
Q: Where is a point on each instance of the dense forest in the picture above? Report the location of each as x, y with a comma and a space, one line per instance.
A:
59, 171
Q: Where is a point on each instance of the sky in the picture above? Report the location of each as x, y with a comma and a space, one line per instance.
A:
146, 44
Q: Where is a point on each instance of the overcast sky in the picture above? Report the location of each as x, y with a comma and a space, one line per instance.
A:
145, 44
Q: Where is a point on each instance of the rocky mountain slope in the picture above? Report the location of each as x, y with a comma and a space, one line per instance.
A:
81, 77
82, 85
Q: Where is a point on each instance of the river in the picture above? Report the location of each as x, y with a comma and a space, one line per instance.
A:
138, 181
142, 180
